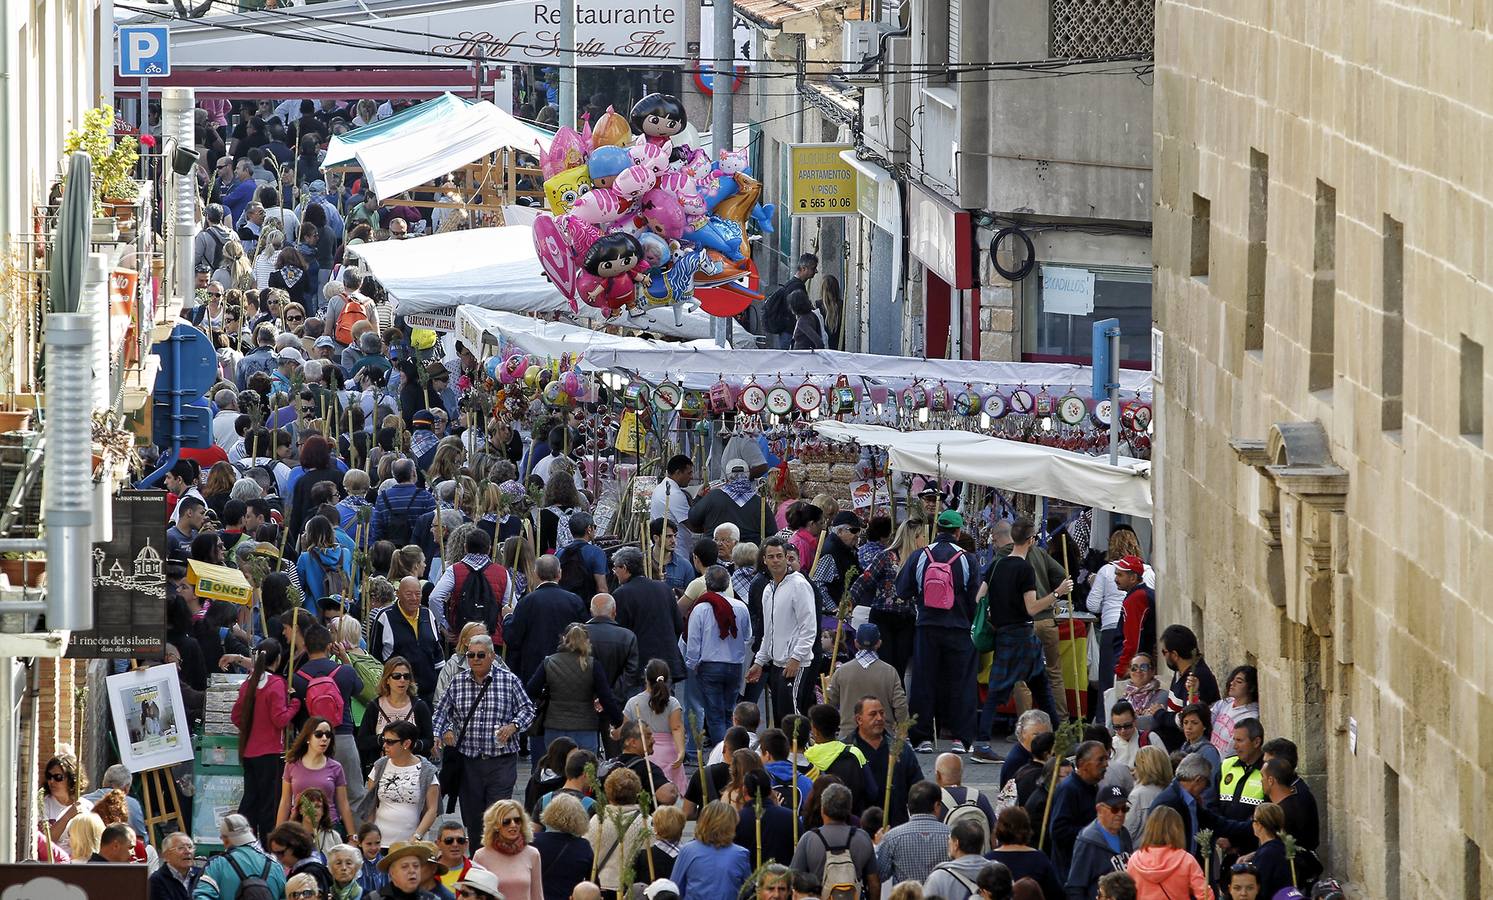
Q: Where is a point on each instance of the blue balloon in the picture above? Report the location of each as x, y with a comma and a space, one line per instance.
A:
608, 162
720, 235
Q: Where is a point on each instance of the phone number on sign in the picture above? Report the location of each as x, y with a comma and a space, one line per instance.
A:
830, 203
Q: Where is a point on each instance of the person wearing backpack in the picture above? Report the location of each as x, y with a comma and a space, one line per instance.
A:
942, 580
242, 871
399, 506
958, 878
475, 589
309, 764
207, 247
326, 688
842, 855
325, 567
1017, 649
346, 308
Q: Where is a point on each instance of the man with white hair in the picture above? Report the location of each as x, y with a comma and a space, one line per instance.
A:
614, 647
118, 777
1030, 724
726, 535
224, 433
242, 858
409, 629
481, 714
173, 880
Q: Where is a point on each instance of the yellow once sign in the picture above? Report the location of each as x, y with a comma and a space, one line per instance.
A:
822, 184
219, 583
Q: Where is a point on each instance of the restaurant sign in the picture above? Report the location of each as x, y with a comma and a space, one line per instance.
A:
608, 32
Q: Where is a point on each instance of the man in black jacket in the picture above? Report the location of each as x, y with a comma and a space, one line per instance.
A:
777, 318
539, 619
614, 647
174, 879
1184, 795
647, 608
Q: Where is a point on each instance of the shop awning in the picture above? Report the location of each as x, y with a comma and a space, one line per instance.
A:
543, 338
1010, 465
247, 82
496, 269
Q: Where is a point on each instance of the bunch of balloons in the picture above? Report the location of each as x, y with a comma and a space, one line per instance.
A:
638, 218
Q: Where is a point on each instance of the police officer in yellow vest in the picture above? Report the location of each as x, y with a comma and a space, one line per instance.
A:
1240, 784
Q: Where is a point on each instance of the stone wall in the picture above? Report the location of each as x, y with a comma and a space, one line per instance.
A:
1321, 242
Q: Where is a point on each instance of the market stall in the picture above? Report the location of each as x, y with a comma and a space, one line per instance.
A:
494, 269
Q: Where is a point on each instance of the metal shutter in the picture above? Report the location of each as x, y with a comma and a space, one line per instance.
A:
956, 55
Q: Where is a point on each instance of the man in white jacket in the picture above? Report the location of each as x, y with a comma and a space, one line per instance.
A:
788, 630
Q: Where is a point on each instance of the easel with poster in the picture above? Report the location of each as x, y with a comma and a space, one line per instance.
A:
150, 721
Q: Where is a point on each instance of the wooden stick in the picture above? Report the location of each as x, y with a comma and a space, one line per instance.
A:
793, 780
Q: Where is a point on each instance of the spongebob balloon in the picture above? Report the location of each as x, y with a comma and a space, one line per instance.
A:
562, 190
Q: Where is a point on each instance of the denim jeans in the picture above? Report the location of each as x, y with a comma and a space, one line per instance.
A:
585, 740
688, 693
716, 684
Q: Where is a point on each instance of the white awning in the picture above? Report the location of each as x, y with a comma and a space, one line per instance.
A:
496, 269
542, 337
1010, 465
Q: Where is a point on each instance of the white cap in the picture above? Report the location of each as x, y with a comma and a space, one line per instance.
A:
737, 464
480, 879
291, 354
661, 886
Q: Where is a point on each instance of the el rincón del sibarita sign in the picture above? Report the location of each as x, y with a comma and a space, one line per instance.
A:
606, 30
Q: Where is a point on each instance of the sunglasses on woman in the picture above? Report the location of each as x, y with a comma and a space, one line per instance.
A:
399, 676
56, 776
322, 734
511, 820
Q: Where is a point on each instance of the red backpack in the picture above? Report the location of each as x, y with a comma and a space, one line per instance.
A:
938, 582
324, 698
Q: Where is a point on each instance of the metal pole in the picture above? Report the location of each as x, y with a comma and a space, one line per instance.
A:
68, 505
567, 63
722, 111
10, 767
176, 121
1113, 383
142, 121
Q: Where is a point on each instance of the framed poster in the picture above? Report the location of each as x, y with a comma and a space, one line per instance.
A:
149, 718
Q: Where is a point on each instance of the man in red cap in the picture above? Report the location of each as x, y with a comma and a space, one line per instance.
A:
1137, 613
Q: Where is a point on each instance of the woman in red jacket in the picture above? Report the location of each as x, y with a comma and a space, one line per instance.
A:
263, 709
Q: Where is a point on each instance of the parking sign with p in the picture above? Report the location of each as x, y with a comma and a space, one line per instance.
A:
144, 51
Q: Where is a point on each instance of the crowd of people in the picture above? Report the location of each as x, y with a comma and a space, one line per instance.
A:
738, 699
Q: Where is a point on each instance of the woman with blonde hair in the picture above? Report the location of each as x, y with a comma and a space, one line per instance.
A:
712, 867
657, 860
236, 271
457, 663
574, 684
1106, 599
895, 616
408, 560
271, 242
445, 465
507, 853
1162, 867
83, 835
518, 558
618, 835
564, 853
398, 701
1153, 772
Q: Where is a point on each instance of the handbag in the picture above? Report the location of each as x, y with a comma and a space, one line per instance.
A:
542, 705
452, 759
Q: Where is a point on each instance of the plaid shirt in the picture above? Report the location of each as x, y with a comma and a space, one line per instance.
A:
505, 703
911, 850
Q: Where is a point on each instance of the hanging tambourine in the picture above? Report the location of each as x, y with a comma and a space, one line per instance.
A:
1101, 413
938, 399
752, 399
807, 397
996, 405
667, 395
1071, 409
720, 397
1042, 403
779, 400
842, 398
692, 405
635, 395
1142, 417
1022, 402
967, 404
912, 398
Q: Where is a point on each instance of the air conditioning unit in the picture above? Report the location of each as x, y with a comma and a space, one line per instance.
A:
859, 38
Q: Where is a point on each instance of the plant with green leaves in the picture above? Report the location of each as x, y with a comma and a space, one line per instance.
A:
1205, 847
1291, 846
113, 160
1064, 740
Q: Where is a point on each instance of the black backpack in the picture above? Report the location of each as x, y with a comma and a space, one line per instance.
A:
251, 887
398, 526
476, 603
573, 574
218, 243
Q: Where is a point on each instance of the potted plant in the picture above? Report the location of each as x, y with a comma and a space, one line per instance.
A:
24, 569
113, 161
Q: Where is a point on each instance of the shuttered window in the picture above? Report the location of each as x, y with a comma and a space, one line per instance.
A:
956, 55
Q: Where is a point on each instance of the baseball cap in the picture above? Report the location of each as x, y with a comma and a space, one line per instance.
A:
326, 340
422, 417
868, 635
844, 518
950, 518
928, 491
737, 466
291, 354
1112, 795
1131, 563
661, 886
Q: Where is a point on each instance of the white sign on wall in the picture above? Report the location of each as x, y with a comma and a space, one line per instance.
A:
1067, 291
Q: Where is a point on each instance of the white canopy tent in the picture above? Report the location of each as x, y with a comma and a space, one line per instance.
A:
700, 367
1010, 465
543, 338
496, 269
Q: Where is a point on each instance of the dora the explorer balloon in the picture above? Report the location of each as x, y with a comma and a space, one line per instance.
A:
606, 280
657, 118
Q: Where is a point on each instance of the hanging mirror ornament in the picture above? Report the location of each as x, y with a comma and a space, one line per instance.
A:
913, 398
1101, 413
967, 403
1022, 402
807, 397
752, 399
842, 397
1142, 416
779, 400
1071, 410
996, 405
667, 395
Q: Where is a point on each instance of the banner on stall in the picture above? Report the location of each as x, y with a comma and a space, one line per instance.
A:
821, 182
219, 583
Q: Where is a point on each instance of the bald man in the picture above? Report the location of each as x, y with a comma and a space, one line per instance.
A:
615, 647
948, 773
409, 629
586, 890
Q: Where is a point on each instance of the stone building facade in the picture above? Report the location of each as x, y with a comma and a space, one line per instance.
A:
1323, 303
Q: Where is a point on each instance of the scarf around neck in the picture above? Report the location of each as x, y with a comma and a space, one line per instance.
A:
739, 488
510, 848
